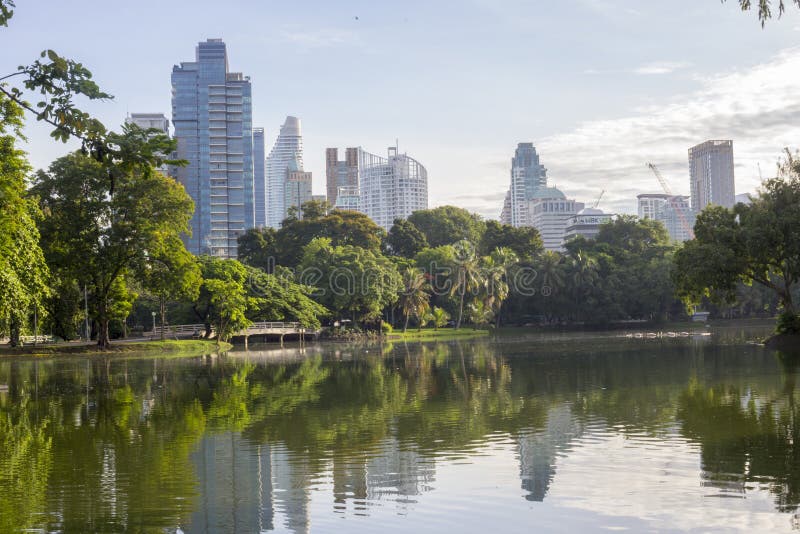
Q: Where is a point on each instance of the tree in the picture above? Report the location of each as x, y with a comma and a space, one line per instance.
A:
765, 7
350, 281
494, 271
97, 233
404, 239
222, 301
466, 275
749, 243
23, 271
447, 225
439, 317
277, 297
525, 242
171, 272
257, 248
414, 297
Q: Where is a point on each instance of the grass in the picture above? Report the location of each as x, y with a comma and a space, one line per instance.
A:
188, 346
440, 334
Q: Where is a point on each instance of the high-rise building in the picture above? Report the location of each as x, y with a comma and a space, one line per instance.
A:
340, 173
711, 174
550, 212
150, 121
212, 115
528, 175
259, 178
347, 198
672, 210
287, 150
505, 214
297, 188
586, 223
391, 188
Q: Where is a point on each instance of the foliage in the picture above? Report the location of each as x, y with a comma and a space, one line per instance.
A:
404, 239
414, 295
350, 281
525, 242
256, 248
277, 297
95, 234
447, 225
465, 275
749, 243
765, 7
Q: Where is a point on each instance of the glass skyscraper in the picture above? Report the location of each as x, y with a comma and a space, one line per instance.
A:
213, 120
287, 152
528, 175
259, 177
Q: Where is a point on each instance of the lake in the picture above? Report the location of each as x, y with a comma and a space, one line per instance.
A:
518, 432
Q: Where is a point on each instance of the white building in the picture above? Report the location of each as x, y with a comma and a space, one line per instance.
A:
586, 223
347, 198
288, 148
146, 121
550, 212
390, 188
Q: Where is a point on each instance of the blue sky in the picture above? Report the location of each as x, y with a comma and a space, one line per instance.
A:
600, 86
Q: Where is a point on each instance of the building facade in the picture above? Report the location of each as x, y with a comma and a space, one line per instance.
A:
550, 212
348, 198
297, 188
259, 178
711, 174
391, 188
528, 175
152, 121
340, 173
287, 151
586, 223
212, 116
673, 211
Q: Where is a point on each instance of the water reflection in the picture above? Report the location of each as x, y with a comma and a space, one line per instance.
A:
595, 430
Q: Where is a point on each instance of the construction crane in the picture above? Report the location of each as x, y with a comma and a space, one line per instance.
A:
673, 201
597, 202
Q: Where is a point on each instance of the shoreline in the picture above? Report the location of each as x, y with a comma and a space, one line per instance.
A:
119, 347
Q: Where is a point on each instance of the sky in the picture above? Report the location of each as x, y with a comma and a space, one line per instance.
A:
601, 87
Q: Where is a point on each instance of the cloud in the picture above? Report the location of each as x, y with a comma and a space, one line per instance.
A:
661, 67
758, 107
320, 38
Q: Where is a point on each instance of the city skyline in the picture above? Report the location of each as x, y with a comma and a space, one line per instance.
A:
606, 110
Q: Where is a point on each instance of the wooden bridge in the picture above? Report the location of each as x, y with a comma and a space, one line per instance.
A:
278, 329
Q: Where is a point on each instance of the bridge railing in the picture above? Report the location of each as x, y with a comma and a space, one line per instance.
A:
280, 326
179, 329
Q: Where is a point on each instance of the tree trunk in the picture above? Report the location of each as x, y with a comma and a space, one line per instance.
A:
14, 333
460, 310
163, 309
405, 326
102, 320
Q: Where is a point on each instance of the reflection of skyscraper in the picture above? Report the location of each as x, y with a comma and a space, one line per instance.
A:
399, 472
235, 486
538, 451
291, 480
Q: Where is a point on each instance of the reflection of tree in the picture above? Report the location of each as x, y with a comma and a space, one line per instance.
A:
745, 438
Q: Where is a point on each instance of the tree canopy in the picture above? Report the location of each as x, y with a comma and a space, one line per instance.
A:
447, 225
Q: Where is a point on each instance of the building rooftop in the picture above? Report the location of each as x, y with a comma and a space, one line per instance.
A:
548, 192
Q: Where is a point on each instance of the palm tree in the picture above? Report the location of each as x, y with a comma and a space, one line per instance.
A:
414, 297
584, 276
466, 274
439, 317
496, 289
551, 269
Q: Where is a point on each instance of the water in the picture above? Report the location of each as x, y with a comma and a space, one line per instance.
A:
518, 433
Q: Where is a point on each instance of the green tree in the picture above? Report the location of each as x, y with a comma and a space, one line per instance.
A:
222, 301
765, 7
257, 248
23, 272
404, 239
98, 232
466, 275
350, 281
749, 243
414, 296
447, 225
494, 271
439, 317
277, 297
525, 242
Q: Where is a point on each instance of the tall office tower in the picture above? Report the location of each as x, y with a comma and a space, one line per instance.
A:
711, 174
297, 188
528, 175
505, 214
672, 210
212, 115
287, 149
259, 178
348, 198
391, 188
340, 173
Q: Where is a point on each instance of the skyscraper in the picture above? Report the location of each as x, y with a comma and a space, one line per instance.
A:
711, 174
672, 210
212, 114
528, 175
340, 173
297, 188
288, 148
148, 121
550, 212
259, 178
391, 188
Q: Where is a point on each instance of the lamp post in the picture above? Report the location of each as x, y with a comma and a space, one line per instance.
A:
154, 322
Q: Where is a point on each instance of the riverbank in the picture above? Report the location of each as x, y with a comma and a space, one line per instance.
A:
442, 334
193, 346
